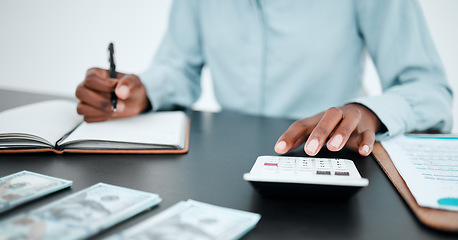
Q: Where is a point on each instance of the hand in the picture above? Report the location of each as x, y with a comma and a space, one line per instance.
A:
95, 91
351, 125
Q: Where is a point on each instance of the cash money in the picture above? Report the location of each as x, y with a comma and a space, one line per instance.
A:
79, 215
25, 186
192, 220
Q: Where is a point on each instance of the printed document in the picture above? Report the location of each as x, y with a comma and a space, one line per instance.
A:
429, 166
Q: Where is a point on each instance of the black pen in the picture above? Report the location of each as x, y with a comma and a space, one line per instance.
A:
114, 98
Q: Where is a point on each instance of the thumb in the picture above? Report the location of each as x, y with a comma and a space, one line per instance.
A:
125, 87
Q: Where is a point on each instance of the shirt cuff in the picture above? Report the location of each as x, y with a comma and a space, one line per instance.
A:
393, 111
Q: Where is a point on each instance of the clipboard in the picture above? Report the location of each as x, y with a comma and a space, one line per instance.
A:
435, 218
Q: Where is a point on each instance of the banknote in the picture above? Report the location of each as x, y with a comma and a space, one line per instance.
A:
79, 215
192, 220
26, 186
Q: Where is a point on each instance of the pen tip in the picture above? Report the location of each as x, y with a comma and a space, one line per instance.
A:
111, 47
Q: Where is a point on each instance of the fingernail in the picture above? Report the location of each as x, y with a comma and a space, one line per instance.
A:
312, 147
120, 107
336, 141
365, 148
123, 91
280, 147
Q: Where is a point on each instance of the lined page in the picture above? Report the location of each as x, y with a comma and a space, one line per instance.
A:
429, 166
49, 120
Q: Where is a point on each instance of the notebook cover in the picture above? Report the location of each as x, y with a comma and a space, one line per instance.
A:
435, 218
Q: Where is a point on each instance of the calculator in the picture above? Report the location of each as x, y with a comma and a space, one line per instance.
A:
305, 177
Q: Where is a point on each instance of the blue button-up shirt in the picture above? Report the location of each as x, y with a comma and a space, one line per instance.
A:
295, 58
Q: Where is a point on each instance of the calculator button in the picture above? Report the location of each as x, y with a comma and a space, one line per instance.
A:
323, 164
323, 167
304, 173
342, 173
304, 163
286, 171
339, 165
271, 164
287, 160
271, 161
270, 167
320, 172
304, 168
286, 168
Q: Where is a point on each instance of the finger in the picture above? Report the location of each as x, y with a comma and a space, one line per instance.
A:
96, 119
321, 132
97, 79
89, 111
299, 141
125, 86
367, 143
95, 99
343, 132
92, 114
295, 132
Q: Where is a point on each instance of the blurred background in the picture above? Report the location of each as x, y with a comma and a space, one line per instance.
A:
46, 46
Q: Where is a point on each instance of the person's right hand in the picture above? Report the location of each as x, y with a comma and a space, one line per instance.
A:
95, 91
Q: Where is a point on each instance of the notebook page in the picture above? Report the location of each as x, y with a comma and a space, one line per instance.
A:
429, 166
165, 128
49, 120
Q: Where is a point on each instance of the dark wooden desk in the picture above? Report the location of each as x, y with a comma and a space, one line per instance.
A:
223, 146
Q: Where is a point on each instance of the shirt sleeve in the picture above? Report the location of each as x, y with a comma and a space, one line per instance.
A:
416, 95
173, 78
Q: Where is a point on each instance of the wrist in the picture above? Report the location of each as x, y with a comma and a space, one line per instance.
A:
370, 119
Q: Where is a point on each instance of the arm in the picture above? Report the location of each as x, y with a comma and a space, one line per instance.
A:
416, 94
172, 79
174, 76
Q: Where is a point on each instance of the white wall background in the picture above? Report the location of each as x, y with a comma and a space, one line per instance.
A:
46, 46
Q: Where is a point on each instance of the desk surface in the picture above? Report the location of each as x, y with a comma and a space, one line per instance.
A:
223, 146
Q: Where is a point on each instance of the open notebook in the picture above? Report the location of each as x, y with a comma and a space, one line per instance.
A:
55, 126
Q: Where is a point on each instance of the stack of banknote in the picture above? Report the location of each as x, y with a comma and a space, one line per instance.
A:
193, 220
25, 186
79, 215
94, 209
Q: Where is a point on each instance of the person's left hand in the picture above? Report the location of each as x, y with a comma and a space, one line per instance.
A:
351, 125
